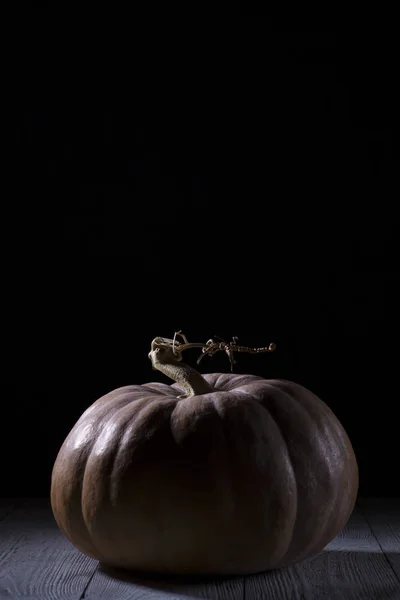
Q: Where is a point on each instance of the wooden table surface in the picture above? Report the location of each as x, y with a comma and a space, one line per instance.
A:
361, 563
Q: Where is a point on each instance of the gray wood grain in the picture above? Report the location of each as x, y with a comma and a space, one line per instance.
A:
107, 584
352, 567
383, 516
36, 561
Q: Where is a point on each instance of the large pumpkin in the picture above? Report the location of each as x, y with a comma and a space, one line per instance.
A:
251, 475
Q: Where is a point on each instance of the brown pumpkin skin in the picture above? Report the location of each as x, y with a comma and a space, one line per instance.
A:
256, 475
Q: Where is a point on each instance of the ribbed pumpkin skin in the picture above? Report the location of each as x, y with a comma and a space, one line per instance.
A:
256, 475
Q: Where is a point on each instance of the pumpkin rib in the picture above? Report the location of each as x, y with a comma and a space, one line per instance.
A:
103, 420
109, 503
216, 401
56, 497
82, 479
102, 425
311, 424
345, 445
330, 428
126, 427
163, 388
231, 383
342, 439
216, 382
59, 499
293, 476
220, 465
331, 528
126, 437
333, 430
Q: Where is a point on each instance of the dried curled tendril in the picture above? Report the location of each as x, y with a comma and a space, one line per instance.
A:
212, 346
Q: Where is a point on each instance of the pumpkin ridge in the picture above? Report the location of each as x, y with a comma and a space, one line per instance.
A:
82, 467
330, 523
104, 420
84, 461
288, 467
339, 432
306, 550
215, 400
294, 479
345, 444
165, 390
126, 426
256, 400
238, 381
130, 427
82, 480
314, 542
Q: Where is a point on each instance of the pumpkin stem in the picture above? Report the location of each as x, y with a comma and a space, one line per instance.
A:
167, 358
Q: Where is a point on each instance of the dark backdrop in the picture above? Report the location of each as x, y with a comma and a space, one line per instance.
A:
249, 193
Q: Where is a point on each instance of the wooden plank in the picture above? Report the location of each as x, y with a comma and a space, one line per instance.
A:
383, 516
109, 584
351, 567
36, 561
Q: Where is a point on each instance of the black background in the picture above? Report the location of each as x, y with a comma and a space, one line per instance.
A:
250, 192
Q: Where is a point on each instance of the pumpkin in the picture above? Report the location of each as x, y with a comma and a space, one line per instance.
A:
241, 475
